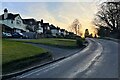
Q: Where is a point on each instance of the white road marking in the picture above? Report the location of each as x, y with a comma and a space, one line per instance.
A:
48, 67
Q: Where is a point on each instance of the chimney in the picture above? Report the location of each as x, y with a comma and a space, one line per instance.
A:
5, 13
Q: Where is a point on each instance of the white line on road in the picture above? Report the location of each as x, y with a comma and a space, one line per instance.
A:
48, 68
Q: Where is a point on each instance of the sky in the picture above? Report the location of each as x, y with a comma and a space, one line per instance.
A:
60, 14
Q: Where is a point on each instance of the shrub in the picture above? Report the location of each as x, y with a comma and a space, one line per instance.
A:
79, 42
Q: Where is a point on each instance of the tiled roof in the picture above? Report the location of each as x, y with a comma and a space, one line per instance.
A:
28, 21
62, 30
10, 16
52, 27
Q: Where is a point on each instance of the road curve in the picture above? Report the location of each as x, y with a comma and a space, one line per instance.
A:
98, 60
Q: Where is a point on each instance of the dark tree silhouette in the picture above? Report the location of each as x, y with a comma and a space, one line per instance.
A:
95, 36
109, 16
86, 33
91, 35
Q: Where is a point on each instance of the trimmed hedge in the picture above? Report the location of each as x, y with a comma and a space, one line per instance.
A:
80, 42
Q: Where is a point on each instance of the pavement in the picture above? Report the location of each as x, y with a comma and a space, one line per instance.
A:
98, 60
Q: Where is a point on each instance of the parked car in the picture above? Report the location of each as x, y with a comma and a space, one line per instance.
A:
6, 35
19, 35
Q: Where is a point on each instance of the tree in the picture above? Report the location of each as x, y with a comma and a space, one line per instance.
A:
75, 26
86, 33
109, 16
95, 36
91, 35
104, 32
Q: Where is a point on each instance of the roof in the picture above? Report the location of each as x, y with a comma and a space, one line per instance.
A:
45, 24
3, 25
52, 27
62, 30
28, 21
38, 22
58, 28
10, 16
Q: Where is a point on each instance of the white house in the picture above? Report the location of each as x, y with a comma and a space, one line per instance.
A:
40, 28
33, 26
14, 21
54, 30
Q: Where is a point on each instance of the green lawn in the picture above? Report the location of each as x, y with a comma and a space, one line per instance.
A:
17, 56
12, 50
65, 43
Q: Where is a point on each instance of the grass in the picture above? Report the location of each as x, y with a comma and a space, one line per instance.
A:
63, 43
12, 50
17, 56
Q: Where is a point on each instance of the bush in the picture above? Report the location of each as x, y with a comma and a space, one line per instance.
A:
79, 42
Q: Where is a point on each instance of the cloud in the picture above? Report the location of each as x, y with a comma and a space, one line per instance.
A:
82, 11
63, 14
42, 11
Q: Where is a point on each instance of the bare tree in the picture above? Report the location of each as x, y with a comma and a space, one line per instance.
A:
108, 16
75, 26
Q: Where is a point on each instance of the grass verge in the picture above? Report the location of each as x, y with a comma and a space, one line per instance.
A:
62, 43
17, 55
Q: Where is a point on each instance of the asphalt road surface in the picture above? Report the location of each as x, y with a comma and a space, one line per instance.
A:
58, 52
98, 60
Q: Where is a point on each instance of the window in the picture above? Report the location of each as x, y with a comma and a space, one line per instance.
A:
48, 28
18, 22
39, 24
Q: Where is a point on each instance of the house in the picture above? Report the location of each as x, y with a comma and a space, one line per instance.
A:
71, 35
54, 30
34, 27
46, 27
12, 22
39, 27
31, 24
58, 30
66, 33
62, 32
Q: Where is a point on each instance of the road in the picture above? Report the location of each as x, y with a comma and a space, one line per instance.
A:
98, 60
58, 52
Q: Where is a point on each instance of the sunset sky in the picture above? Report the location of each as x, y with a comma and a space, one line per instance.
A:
60, 14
